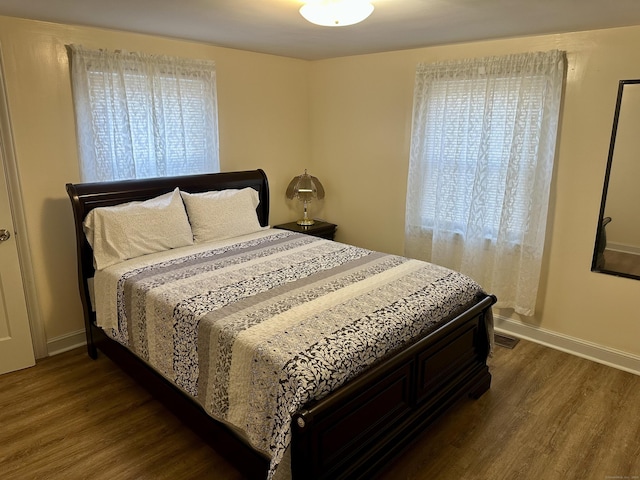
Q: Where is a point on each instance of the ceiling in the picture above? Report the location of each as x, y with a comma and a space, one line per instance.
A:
276, 27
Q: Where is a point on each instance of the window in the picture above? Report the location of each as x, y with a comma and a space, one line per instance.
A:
482, 151
453, 149
141, 116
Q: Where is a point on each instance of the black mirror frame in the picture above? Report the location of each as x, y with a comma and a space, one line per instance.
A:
600, 242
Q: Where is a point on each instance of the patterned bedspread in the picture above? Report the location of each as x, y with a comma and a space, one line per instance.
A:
256, 328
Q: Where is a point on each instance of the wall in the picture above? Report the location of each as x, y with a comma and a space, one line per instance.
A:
361, 111
263, 123
349, 121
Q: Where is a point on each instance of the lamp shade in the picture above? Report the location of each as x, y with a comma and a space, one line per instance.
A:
305, 188
336, 13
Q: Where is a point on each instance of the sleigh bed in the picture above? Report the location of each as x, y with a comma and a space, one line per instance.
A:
298, 356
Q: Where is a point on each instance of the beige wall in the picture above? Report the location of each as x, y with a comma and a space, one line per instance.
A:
361, 111
263, 123
349, 121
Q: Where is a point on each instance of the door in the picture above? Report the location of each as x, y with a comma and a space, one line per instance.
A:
16, 349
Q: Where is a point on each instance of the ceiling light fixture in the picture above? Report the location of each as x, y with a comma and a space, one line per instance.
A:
336, 13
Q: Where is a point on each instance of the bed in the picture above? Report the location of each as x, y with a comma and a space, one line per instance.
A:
355, 374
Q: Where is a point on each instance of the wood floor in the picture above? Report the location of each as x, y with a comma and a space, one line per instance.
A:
548, 415
622, 262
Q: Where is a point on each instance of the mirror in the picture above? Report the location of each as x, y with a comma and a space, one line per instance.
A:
617, 246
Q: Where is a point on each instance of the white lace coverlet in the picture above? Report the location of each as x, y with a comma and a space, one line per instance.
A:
257, 326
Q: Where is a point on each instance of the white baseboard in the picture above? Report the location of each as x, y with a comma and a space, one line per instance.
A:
575, 346
624, 248
66, 342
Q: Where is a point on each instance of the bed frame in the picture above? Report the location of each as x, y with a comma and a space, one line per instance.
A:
355, 431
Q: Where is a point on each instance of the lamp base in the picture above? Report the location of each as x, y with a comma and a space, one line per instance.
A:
305, 222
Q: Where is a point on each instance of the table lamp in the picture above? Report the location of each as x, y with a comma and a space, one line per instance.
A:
305, 188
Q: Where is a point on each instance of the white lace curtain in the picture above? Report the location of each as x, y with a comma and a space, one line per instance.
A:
482, 152
140, 116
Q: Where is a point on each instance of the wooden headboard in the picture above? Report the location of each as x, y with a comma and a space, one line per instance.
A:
87, 196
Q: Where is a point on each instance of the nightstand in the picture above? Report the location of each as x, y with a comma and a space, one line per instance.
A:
319, 229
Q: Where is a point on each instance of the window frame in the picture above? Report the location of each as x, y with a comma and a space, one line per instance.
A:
124, 127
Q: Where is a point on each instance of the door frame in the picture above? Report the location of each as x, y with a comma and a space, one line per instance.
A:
38, 335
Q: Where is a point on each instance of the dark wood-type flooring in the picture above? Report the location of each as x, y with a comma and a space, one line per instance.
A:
622, 262
548, 415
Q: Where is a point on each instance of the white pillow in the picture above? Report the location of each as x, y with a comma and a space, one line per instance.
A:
217, 215
133, 229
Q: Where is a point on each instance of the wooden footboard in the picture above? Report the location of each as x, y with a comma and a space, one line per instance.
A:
362, 426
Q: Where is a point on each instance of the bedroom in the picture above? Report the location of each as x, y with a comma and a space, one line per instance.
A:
308, 106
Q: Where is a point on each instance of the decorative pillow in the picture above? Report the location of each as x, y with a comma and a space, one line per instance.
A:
133, 229
217, 215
